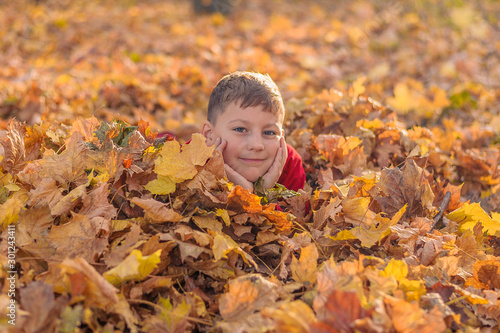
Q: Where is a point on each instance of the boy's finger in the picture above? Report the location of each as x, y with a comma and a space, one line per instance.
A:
285, 149
237, 179
220, 144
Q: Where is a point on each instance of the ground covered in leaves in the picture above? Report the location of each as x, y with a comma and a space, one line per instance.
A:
393, 107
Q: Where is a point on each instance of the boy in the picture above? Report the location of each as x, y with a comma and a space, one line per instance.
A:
245, 120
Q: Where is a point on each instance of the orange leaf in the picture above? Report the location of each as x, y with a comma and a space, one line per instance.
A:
127, 163
239, 198
486, 275
246, 295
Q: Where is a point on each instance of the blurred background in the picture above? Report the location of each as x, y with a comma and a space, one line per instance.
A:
158, 61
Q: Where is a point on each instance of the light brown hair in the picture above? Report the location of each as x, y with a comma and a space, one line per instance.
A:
248, 88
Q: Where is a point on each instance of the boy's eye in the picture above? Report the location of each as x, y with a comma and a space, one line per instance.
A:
240, 129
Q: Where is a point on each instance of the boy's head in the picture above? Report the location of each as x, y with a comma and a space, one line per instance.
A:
246, 111
247, 89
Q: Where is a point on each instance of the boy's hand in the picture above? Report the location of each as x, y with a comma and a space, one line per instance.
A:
233, 176
273, 174
269, 178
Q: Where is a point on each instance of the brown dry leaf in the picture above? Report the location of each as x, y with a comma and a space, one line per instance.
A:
156, 211
86, 127
401, 187
292, 317
83, 280
121, 246
208, 222
455, 202
387, 147
38, 300
329, 211
192, 250
246, 295
343, 276
85, 283
68, 202
46, 193
473, 163
449, 265
67, 167
80, 237
96, 203
492, 310
343, 313
208, 186
31, 236
14, 159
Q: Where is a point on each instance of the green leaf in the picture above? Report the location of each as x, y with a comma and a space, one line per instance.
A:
272, 195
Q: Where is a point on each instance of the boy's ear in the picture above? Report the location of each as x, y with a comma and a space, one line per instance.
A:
207, 131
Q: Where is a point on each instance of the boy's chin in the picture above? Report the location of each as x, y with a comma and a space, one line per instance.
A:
251, 177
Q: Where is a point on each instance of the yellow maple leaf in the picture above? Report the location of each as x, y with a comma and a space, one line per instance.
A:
197, 152
357, 212
377, 231
469, 215
413, 289
161, 185
357, 87
395, 268
174, 316
134, 267
304, 269
10, 209
222, 213
179, 164
223, 245
404, 99
342, 235
370, 124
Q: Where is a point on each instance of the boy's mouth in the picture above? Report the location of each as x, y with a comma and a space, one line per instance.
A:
252, 160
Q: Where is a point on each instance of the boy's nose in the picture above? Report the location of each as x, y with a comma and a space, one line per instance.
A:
255, 143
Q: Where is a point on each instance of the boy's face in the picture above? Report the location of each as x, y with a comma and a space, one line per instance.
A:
252, 135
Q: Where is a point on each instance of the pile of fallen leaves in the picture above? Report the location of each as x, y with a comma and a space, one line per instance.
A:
397, 229
117, 229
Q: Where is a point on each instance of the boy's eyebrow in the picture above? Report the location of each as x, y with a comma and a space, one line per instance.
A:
247, 122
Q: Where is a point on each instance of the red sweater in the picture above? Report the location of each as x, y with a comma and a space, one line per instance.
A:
293, 176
